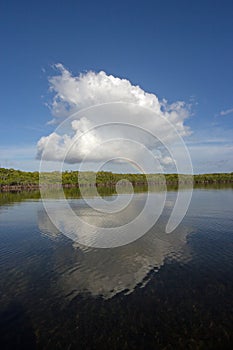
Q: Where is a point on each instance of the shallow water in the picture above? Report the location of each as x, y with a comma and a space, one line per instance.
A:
163, 291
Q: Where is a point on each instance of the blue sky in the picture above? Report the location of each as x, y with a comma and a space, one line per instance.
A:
177, 50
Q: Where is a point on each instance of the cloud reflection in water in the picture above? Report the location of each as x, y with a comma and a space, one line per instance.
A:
109, 271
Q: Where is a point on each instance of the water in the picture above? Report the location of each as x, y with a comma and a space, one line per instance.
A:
162, 291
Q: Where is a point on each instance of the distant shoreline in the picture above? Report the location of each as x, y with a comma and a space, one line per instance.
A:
16, 180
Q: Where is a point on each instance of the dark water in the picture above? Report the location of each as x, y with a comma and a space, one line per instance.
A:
160, 292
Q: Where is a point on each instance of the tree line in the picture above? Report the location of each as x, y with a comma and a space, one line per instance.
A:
12, 177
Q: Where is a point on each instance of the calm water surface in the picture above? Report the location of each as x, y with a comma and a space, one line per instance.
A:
163, 291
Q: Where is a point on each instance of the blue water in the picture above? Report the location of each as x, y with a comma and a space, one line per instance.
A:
160, 292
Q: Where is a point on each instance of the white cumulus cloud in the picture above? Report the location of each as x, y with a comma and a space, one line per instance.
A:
108, 118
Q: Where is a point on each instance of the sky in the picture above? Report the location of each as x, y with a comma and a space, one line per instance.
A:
57, 57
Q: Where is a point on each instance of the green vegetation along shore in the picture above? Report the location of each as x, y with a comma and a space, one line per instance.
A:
11, 179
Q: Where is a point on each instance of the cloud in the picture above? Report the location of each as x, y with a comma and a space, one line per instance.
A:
116, 102
211, 158
226, 112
